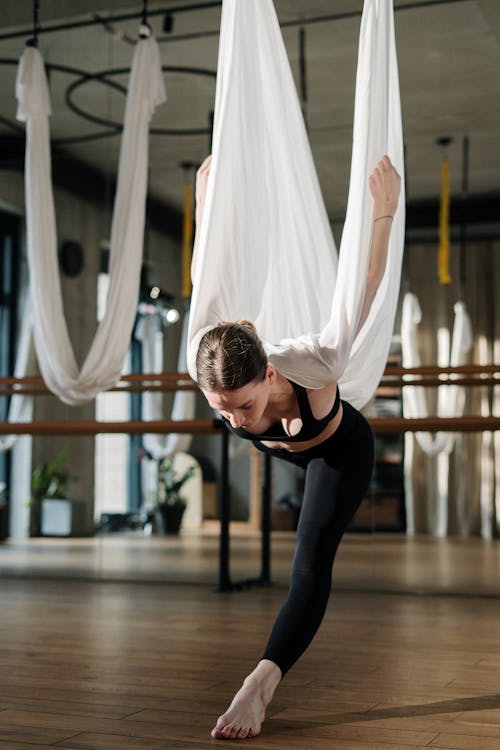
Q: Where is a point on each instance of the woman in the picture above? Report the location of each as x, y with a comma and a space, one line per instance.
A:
314, 429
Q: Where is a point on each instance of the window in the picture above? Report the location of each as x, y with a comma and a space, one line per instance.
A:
111, 451
10, 228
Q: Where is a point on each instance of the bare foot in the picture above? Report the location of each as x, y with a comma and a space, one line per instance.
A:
247, 711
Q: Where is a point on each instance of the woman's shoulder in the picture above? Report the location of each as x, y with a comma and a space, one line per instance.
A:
326, 390
321, 400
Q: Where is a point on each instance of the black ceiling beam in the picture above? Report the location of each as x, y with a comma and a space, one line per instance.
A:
470, 210
98, 19
90, 184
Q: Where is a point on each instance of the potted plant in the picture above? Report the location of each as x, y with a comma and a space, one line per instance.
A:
49, 481
170, 503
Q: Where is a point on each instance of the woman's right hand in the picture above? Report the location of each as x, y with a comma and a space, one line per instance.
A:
385, 187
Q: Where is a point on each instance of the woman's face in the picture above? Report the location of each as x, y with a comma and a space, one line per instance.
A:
244, 406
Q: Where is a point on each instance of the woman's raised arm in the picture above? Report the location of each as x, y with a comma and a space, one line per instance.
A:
385, 187
201, 190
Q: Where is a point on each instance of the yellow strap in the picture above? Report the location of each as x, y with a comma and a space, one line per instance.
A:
187, 239
444, 226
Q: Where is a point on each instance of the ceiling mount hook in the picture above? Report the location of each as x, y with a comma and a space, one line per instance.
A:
145, 30
443, 142
33, 42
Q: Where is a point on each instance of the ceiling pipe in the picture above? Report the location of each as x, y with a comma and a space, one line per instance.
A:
214, 4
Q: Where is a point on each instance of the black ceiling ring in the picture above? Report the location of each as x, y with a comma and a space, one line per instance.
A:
102, 77
111, 131
113, 128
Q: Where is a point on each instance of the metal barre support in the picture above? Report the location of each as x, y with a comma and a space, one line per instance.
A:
265, 574
224, 512
225, 583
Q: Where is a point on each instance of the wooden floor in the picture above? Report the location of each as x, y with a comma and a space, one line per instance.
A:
371, 562
401, 661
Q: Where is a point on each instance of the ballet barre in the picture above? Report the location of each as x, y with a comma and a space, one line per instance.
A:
380, 425
394, 377
215, 426
168, 382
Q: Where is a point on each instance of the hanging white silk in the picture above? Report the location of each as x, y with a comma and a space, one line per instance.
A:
450, 403
105, 359
266, 251
150, 333
489, 488
451, 398
496, 442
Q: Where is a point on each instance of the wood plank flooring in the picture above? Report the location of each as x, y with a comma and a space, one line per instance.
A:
104, 665
372, 562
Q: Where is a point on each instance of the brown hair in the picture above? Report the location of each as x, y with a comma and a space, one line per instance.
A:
230, 356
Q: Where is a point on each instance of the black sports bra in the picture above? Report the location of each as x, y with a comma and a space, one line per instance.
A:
311, 427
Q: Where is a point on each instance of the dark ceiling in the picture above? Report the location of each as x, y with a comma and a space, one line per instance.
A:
449, 61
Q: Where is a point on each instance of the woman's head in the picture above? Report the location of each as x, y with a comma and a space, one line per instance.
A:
230, 356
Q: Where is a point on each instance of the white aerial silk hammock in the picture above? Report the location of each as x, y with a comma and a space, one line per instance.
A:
451, 398
496, 437
105, 359
266, 252
450, 403
150, 333
489, 461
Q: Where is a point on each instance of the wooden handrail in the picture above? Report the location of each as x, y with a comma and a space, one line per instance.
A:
486, 375
130, 427
131, 377
208, 427
167, 388
428, 382
383, 425
165, 377
436, 370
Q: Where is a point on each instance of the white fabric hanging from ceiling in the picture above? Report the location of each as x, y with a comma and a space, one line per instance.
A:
266, 251
450, 403
105, 359
151, 334
451, 398
489, 450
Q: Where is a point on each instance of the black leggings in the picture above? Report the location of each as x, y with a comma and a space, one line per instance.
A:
337, 475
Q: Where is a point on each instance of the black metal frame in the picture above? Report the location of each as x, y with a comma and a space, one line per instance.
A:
9, 294
264, 579
103, 77
98, 20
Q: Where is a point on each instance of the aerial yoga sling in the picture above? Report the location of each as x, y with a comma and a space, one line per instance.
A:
150, 333
450, 403
104, 362
451, 398
266, 252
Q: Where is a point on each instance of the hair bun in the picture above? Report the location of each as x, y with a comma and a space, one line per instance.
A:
230, 356
246, 324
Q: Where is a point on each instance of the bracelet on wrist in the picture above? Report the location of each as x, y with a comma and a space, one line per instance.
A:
386, 216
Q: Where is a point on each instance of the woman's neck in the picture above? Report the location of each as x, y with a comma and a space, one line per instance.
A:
281, 399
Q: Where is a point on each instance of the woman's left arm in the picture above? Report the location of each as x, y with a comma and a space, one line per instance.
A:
201, 190
385, 187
